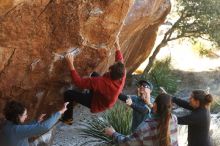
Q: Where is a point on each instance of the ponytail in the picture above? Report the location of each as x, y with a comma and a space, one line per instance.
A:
204, 98
164, 129
208, 99
164, 105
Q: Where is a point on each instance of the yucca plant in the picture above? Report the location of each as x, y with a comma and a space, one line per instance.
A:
94, 128
161, 76
118, 117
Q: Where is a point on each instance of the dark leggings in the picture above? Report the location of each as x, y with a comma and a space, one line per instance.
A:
72, 96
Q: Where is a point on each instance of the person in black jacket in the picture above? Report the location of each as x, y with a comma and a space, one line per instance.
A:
198, 120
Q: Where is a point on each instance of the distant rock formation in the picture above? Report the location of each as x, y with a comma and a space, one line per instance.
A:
35, 34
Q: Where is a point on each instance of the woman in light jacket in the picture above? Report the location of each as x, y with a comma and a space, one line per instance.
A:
14, 132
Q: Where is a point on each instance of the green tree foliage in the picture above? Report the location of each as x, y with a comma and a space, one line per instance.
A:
205, 51
191, 19
198, 18
161, 75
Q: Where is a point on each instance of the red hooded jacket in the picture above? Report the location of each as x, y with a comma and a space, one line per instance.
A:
105, 90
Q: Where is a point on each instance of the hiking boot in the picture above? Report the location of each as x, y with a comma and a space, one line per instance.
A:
66, 121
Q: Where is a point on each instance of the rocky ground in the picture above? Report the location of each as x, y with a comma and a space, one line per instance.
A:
69, 136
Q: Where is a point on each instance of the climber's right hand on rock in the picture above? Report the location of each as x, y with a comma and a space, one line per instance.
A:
70, 59
116, 44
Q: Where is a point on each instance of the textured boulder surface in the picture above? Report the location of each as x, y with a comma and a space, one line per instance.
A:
35, 34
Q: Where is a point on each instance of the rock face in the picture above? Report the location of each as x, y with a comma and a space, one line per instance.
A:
35, 34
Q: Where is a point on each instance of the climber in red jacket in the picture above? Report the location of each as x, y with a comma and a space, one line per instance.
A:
104, 89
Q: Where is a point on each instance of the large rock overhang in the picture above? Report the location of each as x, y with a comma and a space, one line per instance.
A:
33, 35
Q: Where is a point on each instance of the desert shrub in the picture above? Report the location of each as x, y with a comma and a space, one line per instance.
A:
215, 106
119, 117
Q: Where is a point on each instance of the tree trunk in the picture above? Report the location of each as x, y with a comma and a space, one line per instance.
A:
166, 38
153, 56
